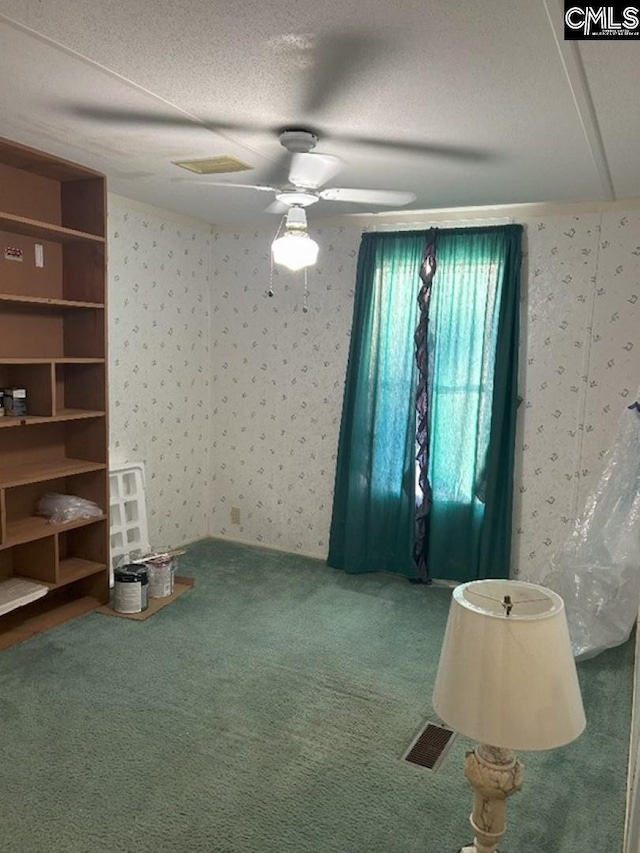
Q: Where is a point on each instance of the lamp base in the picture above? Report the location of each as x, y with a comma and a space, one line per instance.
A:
495, 774
471, 849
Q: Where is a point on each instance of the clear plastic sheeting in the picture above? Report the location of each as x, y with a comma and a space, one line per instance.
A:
597, 571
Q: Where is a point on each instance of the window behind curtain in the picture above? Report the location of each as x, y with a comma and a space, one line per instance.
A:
462, 346
473, 348
463, 329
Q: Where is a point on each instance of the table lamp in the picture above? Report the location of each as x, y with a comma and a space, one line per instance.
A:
507, 679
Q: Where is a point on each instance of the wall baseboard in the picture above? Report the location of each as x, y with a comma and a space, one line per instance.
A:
252, 544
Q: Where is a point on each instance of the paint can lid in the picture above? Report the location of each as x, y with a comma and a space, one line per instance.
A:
132, 573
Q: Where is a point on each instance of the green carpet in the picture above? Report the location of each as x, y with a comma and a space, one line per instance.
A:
266, 711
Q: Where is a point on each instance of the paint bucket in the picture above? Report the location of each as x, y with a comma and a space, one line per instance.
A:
15, 401
161, 576
131, 589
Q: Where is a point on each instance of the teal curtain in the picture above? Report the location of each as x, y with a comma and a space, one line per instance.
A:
473, 346
472, 368
374, 497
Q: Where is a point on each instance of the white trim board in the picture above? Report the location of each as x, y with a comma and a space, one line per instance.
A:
504, 212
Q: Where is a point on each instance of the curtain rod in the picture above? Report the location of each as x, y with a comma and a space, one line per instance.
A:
423, 224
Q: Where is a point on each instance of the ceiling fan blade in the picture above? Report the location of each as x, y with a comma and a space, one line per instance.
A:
387, 198
464, 153
313, 170
143, 118
195, 182
148, 118
277, 207
276, 171
339, 58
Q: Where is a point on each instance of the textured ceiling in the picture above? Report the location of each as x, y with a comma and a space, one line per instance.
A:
471, 103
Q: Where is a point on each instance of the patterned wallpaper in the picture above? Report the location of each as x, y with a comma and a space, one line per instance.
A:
232, 399
614, 364
159, 375
582, 369
278, 376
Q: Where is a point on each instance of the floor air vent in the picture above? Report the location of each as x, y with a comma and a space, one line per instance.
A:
430, 746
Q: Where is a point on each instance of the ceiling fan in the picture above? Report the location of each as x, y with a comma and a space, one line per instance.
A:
330, 64
308, 173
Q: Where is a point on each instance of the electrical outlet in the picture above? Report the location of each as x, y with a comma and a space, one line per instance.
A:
235, 515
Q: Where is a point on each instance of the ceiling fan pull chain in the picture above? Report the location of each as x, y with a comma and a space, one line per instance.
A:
271, 263
305, 303
270, 291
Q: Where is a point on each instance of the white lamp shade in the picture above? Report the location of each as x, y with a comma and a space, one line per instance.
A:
295, 250
509, 681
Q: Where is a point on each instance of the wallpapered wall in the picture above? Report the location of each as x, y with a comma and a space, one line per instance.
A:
233, 398
278, 378
159, 374
581, 369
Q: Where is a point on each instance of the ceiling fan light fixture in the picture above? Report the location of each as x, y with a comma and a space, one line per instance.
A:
295, 250
299, 197
296, 219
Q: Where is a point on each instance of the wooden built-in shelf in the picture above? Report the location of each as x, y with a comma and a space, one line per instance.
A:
47, 301
61, 360
60, 417
42, 163
45, 230
38, 527
52, 304
38, 472
18, 592
73, 569
42, 615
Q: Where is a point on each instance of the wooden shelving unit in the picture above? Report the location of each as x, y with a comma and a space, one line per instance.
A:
53, 343
44, 230
34, 527
61, 415
45, 302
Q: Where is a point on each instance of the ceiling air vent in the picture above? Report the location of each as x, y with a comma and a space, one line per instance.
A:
213, 165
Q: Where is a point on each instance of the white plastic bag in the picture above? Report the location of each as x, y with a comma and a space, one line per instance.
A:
63, 508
